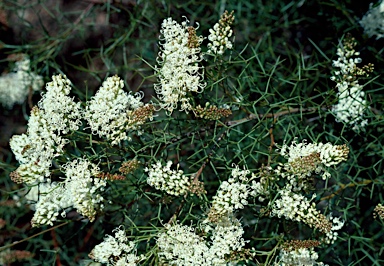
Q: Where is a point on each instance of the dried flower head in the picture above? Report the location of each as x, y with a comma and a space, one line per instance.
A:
211, 112
379, 211
129, 166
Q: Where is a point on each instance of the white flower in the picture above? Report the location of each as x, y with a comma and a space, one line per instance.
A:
297, 208
220, 34
298, 257
373, 21
180, 245
351, 103
84, 187
163, 178
57, 114
331, 236
117, 250
304, 159
15, 86
179, 72
51, 201
112, 112
231, 195
80, 190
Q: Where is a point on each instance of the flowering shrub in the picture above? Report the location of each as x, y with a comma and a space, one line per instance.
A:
227, 155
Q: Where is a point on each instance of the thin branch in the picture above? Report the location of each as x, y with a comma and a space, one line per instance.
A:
345, 186
33, 236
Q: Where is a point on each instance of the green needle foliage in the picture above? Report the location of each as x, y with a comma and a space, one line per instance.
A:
161, 150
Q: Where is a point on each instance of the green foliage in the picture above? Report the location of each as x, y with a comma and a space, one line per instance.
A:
276, 81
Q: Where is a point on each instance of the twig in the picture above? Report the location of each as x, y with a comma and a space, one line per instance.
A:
344, 186
275, 116
33, 236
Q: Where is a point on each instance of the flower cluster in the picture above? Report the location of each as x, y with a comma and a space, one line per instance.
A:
84, 187
15, 86
51, 202
297, 208
260, 188
112, 112
211, 112
116, 250
373, 21
351, 103
79, 190
231, 195
56, 115
301, 256
220, 34
8, 257
179, 72
331, 236
180, 245
172, 182
379, 211
305, 158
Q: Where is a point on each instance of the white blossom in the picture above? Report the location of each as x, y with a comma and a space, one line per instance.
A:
337, 224
373, 20
304, 159
296, 207
351, 103
219, 35
15, 86
179, 72
110, 112
79, 190
180, 244
57, 114
298, 257
173, 182
116, 250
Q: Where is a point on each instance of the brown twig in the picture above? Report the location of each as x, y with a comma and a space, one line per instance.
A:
344, 186
33, 236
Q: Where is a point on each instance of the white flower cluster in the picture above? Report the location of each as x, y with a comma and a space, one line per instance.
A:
80, 190
84, 187
116, 251
351, 102
373, 20
297, 208
15, 86
329, 154
261, 188
331, 236
50, 204
305, 158
180, 245
163, 178
179, 72
231, 195
298, 257
220, 34
110, 112
56, 115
